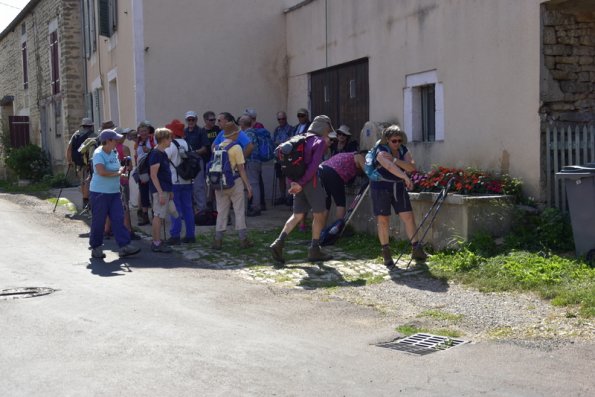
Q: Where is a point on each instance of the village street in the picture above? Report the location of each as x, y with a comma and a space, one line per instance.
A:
164, 325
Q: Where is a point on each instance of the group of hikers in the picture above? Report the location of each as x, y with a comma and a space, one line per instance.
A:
185, 171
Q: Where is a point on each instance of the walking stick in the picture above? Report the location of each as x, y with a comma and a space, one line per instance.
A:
60, 192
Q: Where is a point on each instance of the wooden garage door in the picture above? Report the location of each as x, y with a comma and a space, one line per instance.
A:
19, 131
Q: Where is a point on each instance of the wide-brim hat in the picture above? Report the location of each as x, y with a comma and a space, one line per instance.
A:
108, 125
319, 125
86, 122
176, 127
343, 129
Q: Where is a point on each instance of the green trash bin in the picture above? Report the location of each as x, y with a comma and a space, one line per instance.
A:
580, 191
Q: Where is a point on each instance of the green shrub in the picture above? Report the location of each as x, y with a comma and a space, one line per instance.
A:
547, 231
29, 162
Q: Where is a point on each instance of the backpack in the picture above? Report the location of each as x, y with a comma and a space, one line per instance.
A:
371, 165
141, 173
219, 174
290, 156
189, 167
263, 143
86, 150
77, 141
205, 218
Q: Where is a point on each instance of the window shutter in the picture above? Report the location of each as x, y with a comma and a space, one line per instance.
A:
104, 20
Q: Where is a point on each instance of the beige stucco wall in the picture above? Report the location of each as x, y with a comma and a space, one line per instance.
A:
219, 55
486, 54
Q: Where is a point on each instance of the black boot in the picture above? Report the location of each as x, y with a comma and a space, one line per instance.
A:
277, 251
315, 254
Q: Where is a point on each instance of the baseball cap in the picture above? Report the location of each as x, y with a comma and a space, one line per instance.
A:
190, 114
106, 135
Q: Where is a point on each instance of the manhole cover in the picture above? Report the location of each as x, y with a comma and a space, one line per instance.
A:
422, 344
25, 292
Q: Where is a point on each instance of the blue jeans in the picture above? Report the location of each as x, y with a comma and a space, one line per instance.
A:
183, 202
102, 205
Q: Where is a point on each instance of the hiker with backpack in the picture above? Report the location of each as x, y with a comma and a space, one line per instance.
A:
106, 198
144, 144
198, 141
387, 164
300, 158
227, 176
76, 159
182, 187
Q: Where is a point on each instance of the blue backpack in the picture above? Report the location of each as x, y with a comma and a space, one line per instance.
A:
219, 174
371, 165
264, 148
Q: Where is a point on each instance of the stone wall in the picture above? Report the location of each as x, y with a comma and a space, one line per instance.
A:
38, 97
568, 70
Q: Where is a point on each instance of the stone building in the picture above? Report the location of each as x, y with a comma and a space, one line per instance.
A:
41, 84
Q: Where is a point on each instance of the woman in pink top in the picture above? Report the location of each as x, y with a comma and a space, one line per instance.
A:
335, 173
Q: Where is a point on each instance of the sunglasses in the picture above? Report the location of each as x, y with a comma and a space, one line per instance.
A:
212, 120
301, 115
396, 140
191, 119
281, 118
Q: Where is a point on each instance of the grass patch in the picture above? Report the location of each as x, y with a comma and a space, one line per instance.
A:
441, 315
409, 330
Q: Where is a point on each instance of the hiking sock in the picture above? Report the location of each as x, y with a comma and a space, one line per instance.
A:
282, 237
243, 233
219, 235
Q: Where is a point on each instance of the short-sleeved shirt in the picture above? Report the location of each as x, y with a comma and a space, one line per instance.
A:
163, 174
387, 174
211, 135
243, 139
174, 155
235, 154
196, 138
105, 184
282, 134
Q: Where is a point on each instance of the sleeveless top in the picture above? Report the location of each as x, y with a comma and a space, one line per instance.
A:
343, 164
387, 174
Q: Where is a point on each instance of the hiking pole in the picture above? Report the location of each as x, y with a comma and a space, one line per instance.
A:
434, 208
354, 206
274, 193
62, 187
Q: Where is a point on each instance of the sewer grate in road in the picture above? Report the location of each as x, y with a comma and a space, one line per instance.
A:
24, 292
421, 344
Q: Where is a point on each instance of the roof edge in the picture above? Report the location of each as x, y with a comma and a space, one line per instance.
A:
21, 15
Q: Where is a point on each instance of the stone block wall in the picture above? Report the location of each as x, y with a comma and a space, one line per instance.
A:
568, 70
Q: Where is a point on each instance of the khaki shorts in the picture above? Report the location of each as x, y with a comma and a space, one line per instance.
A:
159, 210
312, 196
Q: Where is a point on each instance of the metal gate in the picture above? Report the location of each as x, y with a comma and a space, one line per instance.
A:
567, 144
19, 131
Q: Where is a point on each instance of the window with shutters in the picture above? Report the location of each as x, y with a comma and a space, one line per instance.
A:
424, 104
108, 17
89, 32
54, 62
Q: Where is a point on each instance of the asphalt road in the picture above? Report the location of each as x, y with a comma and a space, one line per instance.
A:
155, 325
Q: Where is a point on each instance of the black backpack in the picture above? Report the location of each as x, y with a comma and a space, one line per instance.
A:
77, 141
141, 173
189, 167
290, 156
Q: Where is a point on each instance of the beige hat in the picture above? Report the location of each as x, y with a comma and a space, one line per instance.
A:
344, 130
332, 135
108, 125
86, 122
303, 111
319, 125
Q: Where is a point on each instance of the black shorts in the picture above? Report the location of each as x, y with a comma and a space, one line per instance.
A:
384, 198
333, 185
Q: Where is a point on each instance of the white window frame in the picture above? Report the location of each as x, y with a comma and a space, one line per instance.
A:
412, 105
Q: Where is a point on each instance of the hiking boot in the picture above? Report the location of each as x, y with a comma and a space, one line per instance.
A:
128, 250
174, 241
245, 243
189, 240
217, 244
144, 219
277, 251
388, 259
97, 253
315, 254
166, 249
418, 253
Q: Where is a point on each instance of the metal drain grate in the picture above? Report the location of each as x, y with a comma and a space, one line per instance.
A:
24, 292
422, 344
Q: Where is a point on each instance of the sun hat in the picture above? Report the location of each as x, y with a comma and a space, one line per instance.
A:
251, 112
344, 130
176, 127
108, 125
332, 135
87, 122
319, 125
303, 111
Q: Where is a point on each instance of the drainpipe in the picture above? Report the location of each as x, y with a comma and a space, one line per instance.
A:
84, 61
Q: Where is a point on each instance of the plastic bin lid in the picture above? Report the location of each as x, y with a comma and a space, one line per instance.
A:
577, 171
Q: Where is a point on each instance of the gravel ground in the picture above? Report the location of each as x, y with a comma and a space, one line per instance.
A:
407, 299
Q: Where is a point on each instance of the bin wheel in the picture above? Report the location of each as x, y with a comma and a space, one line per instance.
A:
591, 258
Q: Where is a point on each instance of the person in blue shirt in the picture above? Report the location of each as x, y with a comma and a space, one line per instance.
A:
105, 197
198, 141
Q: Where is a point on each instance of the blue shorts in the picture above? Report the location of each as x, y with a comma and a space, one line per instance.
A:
384, 198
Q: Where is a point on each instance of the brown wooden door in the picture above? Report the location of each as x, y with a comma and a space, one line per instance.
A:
19, 131
342, 93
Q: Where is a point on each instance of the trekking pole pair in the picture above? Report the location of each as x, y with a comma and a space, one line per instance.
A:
434, 211
62, 187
